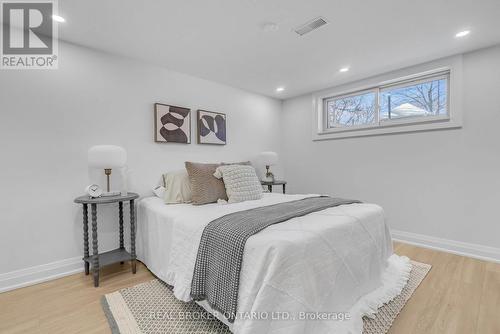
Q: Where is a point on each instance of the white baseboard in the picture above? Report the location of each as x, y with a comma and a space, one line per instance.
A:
38, 274
450, 246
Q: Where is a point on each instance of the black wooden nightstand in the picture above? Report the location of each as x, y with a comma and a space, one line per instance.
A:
118, 255
270, 184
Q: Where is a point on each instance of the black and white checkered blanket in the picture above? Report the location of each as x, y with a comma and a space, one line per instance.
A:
218, 263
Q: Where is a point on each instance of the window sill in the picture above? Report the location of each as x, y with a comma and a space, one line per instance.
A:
388, 127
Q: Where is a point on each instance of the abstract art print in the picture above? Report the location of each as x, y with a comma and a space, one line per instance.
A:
172, 124
211, 128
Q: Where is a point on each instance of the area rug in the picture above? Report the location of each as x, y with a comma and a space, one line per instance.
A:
151, 308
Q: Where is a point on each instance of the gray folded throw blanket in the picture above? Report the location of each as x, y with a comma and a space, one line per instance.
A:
216, 274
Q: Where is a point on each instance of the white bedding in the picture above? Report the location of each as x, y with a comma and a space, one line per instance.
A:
336, 260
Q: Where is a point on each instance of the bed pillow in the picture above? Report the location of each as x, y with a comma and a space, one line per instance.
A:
177, 187
205, 187
241, 182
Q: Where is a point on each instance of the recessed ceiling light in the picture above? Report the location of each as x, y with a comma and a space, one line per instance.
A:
462, 33
270, 26
280, 89
344, 69
58, 18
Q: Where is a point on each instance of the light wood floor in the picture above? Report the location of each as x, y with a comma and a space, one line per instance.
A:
459, 295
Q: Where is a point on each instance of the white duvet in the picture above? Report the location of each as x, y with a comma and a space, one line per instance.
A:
314, 274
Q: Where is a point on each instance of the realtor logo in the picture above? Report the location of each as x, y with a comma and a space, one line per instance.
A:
29, 35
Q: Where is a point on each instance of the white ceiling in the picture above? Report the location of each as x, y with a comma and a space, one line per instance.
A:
223, 40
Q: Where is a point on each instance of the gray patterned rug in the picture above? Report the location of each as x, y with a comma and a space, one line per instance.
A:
151, 308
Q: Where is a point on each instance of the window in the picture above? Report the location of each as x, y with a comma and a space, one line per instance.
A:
353, 110
427, 98
416, 100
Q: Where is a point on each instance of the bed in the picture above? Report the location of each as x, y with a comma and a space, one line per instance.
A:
319, 273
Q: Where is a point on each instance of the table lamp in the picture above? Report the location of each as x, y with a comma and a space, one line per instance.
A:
269, 159
107, 157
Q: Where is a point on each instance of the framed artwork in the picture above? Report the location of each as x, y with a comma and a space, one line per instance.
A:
211, 128
172, 124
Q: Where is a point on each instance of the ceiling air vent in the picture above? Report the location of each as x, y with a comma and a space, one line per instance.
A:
310, 26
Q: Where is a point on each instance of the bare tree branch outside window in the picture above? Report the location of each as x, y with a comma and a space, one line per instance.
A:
352, 111
425, 99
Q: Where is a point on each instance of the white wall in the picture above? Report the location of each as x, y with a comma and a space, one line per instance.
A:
49, 119
444, 184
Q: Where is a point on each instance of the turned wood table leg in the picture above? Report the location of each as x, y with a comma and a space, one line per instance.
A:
95, 252
120, 214
86, 237
132, 235
120, 208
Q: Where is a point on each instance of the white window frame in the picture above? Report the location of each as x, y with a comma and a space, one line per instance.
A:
361, 92
413, 82
449, 68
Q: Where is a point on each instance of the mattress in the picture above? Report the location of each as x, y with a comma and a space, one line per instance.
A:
314, 274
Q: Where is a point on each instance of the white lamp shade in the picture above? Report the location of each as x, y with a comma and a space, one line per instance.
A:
107, 156
269, 158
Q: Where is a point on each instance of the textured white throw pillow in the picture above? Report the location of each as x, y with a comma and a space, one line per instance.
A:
241, 182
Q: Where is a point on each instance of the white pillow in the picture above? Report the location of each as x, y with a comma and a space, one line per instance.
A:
177, 187
159, 190
241, 182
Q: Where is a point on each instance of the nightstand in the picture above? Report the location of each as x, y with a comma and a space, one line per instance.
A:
118, 255
270, 184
